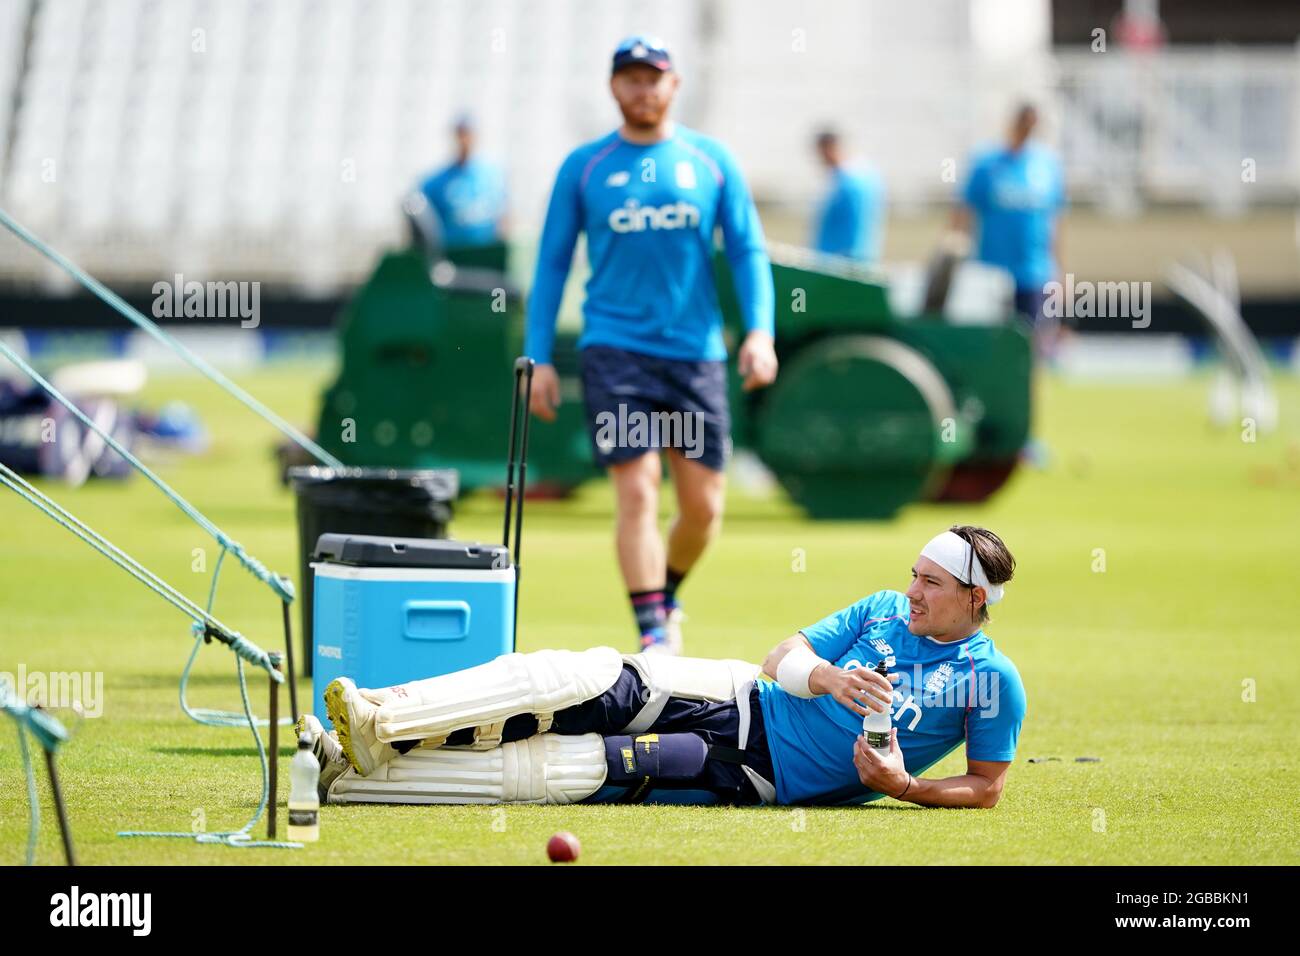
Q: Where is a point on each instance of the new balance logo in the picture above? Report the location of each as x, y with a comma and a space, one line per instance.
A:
633, 217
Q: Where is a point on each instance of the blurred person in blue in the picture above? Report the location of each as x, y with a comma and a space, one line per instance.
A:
1010, 204
649, 196
468, 195
850, 219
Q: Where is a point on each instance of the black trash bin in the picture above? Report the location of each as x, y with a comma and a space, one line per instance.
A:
398, 502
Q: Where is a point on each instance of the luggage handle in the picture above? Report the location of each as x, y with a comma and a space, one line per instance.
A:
515, 499
455, 613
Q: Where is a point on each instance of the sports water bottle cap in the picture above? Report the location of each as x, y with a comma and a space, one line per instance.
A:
304, 741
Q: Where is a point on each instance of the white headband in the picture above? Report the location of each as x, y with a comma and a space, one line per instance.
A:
952, 553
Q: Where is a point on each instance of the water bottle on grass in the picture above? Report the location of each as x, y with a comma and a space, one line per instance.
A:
304, 803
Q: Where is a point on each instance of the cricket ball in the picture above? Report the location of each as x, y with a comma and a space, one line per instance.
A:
563, 848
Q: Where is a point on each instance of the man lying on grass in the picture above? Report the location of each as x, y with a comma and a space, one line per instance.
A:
599, 726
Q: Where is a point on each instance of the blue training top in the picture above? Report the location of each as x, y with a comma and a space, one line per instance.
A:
949, 692
470, 199
649, 212
850, 221
1016, 197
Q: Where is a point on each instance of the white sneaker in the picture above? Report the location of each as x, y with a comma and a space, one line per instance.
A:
673, 632
353, 717
327, 751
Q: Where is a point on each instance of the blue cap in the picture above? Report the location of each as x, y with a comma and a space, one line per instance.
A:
642, 49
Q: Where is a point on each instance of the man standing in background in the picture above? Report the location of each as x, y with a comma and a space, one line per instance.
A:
468, 196
649, 196
850, 220
1014, 194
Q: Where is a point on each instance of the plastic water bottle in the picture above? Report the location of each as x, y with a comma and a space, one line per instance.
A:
876, 726
304, 802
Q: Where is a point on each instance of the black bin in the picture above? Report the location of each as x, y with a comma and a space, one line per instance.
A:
397, 502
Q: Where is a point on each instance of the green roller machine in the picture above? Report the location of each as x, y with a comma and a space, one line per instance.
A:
870, 411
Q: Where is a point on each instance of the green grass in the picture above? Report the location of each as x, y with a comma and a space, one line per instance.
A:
1141, 665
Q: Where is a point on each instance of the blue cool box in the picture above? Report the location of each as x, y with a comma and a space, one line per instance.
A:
388, 610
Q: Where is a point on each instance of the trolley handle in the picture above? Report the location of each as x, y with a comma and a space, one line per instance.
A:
515, 496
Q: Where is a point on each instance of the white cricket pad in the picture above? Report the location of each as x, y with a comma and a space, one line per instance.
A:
484, 697
545, 768
693, 678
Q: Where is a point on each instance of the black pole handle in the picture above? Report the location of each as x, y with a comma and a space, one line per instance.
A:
290, 675
60, 808
273, 769
523, 365
523, 370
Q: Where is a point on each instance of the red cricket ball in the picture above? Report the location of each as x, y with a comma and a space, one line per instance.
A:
563, 847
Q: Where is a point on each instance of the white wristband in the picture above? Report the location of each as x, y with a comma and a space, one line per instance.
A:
795, 669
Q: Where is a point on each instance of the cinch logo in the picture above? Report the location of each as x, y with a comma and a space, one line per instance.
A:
102, 909
633, 217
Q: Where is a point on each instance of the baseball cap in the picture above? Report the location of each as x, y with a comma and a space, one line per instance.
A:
642, 49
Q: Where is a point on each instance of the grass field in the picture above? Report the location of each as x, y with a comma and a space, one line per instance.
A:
1143, 664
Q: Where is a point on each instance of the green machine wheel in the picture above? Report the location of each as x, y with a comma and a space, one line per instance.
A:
857, 426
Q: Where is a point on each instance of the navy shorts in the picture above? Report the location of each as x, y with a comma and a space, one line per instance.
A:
638, 403
1028, 306
718, 723
1031, 305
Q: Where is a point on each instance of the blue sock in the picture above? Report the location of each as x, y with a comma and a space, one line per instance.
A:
648, 606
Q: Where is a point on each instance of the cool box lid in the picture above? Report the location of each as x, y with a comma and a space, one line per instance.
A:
380, 551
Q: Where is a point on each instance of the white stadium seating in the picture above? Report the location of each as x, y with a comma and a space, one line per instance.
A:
273, 138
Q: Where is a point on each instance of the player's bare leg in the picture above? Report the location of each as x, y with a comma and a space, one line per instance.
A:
701, 493
640, 545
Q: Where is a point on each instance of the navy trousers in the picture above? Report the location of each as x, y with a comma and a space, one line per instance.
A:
718, 724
